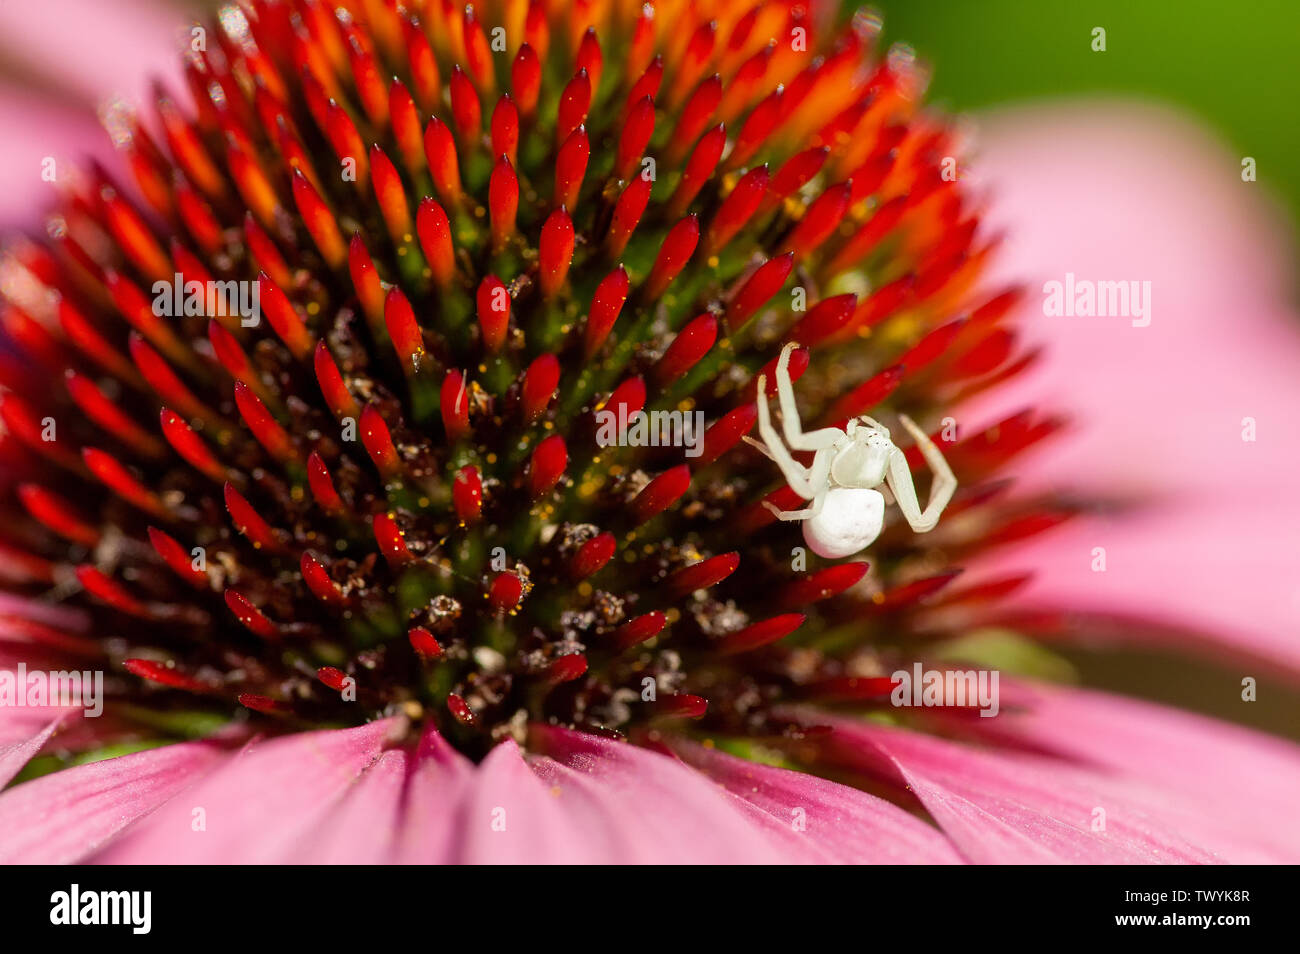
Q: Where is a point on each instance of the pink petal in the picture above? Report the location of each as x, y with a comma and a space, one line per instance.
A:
17, 751
1114, 191
510, 816
115, 51
598, 801
1016, 809
60, 617
363, 825
430, 829
62, 132
66, 816
1237, 785
847, 824
112, 50
261, 806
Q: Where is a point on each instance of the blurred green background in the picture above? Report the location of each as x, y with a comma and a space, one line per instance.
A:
1233, 64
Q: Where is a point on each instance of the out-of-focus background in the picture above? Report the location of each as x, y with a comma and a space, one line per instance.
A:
1232, 64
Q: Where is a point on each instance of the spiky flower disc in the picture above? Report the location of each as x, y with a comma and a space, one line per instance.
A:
470, 231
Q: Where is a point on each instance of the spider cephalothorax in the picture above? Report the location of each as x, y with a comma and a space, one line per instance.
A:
847, 512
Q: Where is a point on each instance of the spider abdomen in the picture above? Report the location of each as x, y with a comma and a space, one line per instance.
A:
849, 520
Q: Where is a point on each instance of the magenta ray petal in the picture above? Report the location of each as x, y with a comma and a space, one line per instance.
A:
114, 50
50, 614
430, 827
66, 816
18, 724
404, 809
17, 751
513, 816
1239, 786
259, 806
1160, 410
1016, 809
601, 801
847, 824
361, 827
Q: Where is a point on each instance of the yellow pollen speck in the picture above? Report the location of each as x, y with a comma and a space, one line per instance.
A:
584, 588
313, 308
491, 458
673, 615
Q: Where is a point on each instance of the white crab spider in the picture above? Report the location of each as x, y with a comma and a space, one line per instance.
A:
847, 513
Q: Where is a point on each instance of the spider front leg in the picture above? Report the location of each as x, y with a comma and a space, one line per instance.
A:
900, 483
807, 483
806, 514
795, 435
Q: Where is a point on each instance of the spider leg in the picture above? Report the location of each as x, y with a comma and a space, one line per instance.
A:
759, 446
791, 469
795, 435
806, 514
900, 481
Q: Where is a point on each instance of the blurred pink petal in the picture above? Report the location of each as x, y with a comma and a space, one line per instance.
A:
18, 742
1240, 782
66, 816
260, 805
848, 825
430, 829
77, 55
1022, 809
629, 805
94, 49
362, 826
51, 614
1113, 191
60, 132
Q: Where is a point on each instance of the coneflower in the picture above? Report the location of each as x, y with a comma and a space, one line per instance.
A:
471, 233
